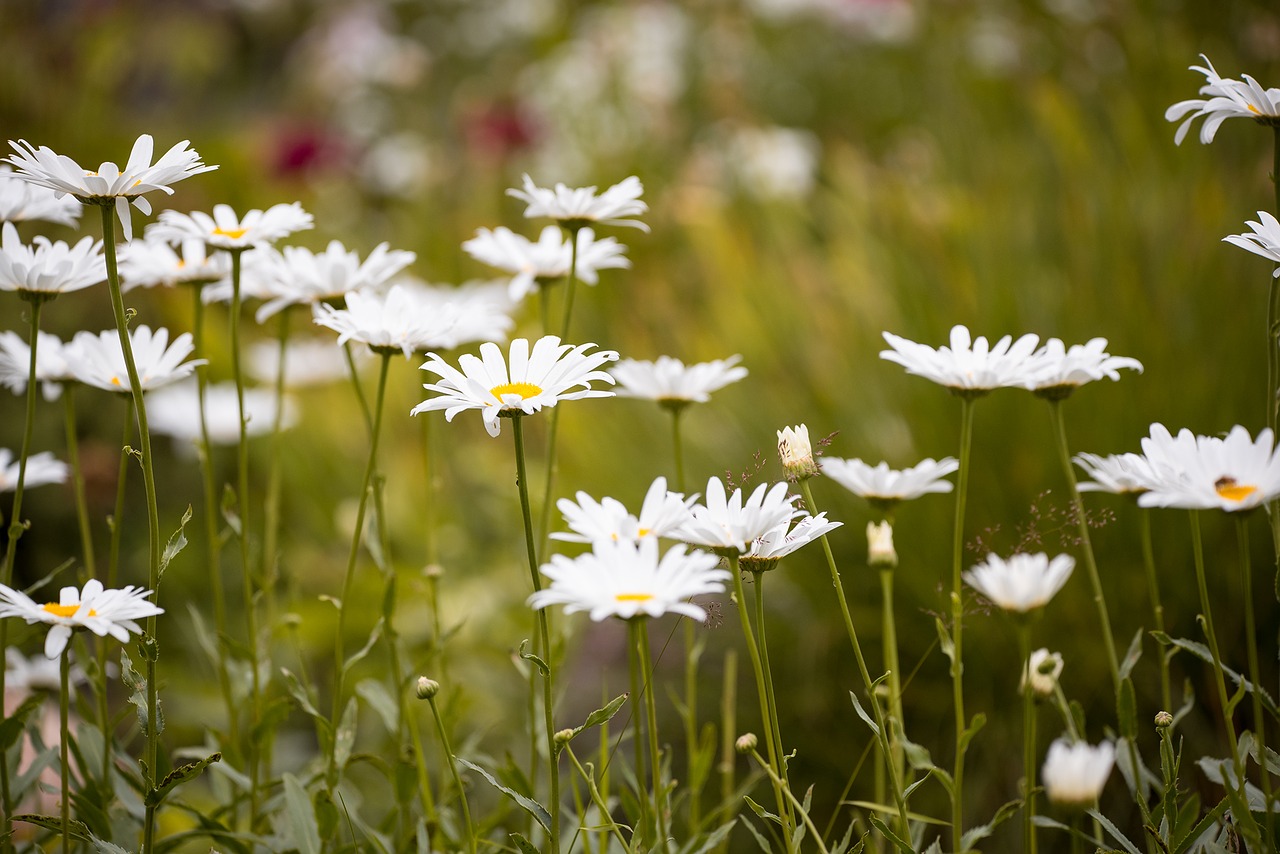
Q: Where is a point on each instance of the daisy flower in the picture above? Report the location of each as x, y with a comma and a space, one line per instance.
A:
1041, 671
226, 230
154, 263
732, 523
1120, 474
670, 382
47, 268
574, 208
880, 550
51, 365
1226, 98
1022, 583
661, 514
519, 385
298, 276
546, 261
1058, 370
796, 452
258, 268
29, 675
482, 310
97, 360
1205, 472
103, 612
42, 468
1076, 773
969, 366
109, 183
884, 486
626, 579
175, 411
1264, 241
387, 322
306, 363
22, 201
766, 551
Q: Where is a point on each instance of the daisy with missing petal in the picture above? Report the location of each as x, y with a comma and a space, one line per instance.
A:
388, 322
298, 276
1264, 241
661, 515
546, 261
1057, 370
732, 523
574, 208
1226, 98
155, 263
1022, 583
518, 385
671, 383
109, 183
784, 539
51, 364
103, 612
1119, 474
97, 360
47, 268
627, 579
22, 201
42, 468
1235, 473
883, 486
1075, 773
226, 230
969, 366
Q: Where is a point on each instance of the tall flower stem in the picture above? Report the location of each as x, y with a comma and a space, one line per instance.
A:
891, 665
957, 621
637, 685
692, 652
1157, 606
271, 508
1086, 546
544, 629
431, 534
339, 648
457, 781
651, 713
791, 798
77, 481
676, 408
757, 579
1255, 674
1029, 755
762, 691
602, 805
728, 730
882, 735
113, 565
64, 673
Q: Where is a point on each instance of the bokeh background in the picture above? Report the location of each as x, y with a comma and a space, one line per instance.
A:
819, 171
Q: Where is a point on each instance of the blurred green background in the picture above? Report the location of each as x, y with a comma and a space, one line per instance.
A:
819, 171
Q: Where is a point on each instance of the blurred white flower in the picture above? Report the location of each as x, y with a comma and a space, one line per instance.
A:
1022, 583
1040, 672
661, 515
1121, 474
47, 268
28, 675
575, 208
1264, 241
22, 201
483, 309
103, 612
225, 230
670, 381
1225, 98
880, 551
1057, 370
1206, 472
298, 276
969, 366
51, 364
732, 523
306, 362
883, 485
775, 162
175, 411
397, 165
548, 260
98, 360
42, 469
388, 321
1075, 774
258, 267
784, 539
154, 263
890, 21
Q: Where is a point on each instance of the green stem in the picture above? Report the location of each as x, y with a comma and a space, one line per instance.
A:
457, 781
728, 730
891, 665
602, 805
637, 718
651, 712
804, 815
570, 283
64, 672
957, 621
1157, 607
692, 652
1029, 755
780, 750
77, 480
1273, 357
676, 444
117, 517
424, 778
271, 510
1255, 673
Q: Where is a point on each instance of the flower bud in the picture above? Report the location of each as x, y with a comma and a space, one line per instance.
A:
1164, 720
880, 552
564, 736
427, 688
1041, 672
746, 742
796, 452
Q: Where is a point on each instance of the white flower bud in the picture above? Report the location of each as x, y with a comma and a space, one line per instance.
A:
796, 452
1041, 672
880, 551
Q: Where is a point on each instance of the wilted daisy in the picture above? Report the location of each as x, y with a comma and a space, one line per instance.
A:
627, 579
519, 385
1022, 583
969, 366
103, 612
661, 514
574, 208
45, 168
1225, 98
766, 551
1120, 474
22, 201
298, 276
155, 263
1206, 472
1057, 370
670, 382
51, 364
175, 411
884, 486
97, 360
225, 230
1075, 773
47, 268
1040, 672
546, 261
306, 362
1264, 241
42, 468
387, 322
732, 523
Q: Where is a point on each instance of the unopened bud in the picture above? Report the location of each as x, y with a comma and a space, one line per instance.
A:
796, 453
1164, 720
564, 736
746, 742
427, 688
880, 551
1041, 672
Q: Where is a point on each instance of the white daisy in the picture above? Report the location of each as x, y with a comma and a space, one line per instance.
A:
154, 263
766, 551
1022, 583
258, 268
29, 675
1075, 774
1120, 474
482, 309
883, 485
1206, 472
546, 261
670, 381
968, 366
1226, 98
730, 523
880, 550
98, 360
1041, 672
225, 230
42, 468
103, 612
796, 452
306, 362
574, 208
1264, 241
22, 201
51, 364
1057, 370
519, 385
298, 276
388, 321
626, 579
48, 268
175, 411
661, 515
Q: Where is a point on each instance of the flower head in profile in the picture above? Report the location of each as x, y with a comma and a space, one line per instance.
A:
883, 486
42, 469
672, 383
574, 208
1058, 370
47, 268
298, 276
51, 364
387, 322
109, 183
661, 515
1040, 672
175, 411
225, 230
482, 309
28, 675
155, 263
1022, 583
98, 360
1234, 474
22, 201
1225, 98
548, 260
784, 539
1075, 773
880, 551
970, 367
1264, 241
627, 579
103, 612
521, 383
1119, 474
732, 522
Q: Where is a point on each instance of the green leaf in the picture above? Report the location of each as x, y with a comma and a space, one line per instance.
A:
1127, 709
944, 640
344, 737
177, 542
522, 845
761, 811
975, 724
599, 716
716, 836
13, 726
528, 656
535, 809
137, 686
178, 776
1184, 843
1202, 652
364, 650
299, 693
862, 713
1114, 832
916, 755
373, 692
300, 816
77, 829
898, 842
228, 509
759, 837
1003, 814
1131, 657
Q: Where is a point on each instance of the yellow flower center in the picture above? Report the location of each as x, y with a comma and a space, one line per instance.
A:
525, 390
233, 233
1232, 491
115, 381
66, 610
633, 597
1254, 109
